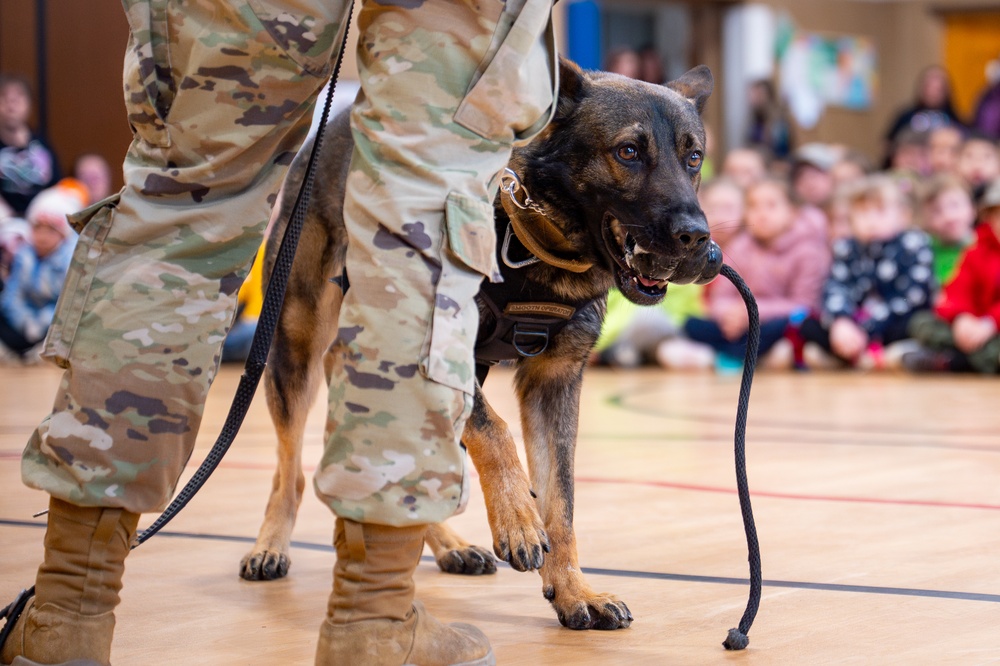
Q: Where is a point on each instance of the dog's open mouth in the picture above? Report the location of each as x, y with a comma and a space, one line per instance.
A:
641, 276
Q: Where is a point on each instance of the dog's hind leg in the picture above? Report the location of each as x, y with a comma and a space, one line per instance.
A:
292, 378
456, 555
518, 533
294, 372
549, 393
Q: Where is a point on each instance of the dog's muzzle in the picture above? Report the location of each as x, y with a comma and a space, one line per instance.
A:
643, 275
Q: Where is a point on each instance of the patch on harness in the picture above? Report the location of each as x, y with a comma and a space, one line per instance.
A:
550, 309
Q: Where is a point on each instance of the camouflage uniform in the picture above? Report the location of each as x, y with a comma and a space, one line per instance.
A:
220, 96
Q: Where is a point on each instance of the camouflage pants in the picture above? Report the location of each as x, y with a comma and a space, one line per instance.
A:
220, 96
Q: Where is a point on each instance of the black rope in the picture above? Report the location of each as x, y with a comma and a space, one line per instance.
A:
256, 359
737, 638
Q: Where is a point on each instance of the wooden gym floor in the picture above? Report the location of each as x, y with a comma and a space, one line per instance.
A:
877, 499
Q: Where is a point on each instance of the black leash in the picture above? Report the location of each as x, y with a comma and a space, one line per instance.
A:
737, 638
256, 359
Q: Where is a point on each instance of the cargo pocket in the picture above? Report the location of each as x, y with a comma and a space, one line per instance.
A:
514, 95
307, 31
93, 224
468, 254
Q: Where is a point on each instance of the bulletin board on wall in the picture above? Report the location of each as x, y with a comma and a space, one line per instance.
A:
819, 69
971, 40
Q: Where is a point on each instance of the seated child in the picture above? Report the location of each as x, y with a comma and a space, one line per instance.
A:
14, 232
721, 199
948, 215
909, 157
963, 332
978, 163
943, 146
782, 257
29, 296
744, 166
880, 276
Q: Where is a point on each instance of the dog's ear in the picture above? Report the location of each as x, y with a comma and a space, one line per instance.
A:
695, 84
572, 82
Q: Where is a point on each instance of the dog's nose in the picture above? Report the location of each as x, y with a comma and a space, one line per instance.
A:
691, 234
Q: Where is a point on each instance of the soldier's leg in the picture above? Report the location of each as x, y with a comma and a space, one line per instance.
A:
429, 145
220, 97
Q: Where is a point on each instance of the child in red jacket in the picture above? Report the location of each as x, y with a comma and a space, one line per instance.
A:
964, 332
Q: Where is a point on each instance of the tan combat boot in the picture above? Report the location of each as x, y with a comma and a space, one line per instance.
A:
372, 618
71, 618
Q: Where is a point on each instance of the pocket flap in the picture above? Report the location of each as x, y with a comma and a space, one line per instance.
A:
79, 219
471, 235
307, 39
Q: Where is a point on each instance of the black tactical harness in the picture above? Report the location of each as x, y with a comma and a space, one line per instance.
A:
523, 321
517, 318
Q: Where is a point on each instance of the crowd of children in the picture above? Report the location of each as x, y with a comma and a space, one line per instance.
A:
36, 240
852, 267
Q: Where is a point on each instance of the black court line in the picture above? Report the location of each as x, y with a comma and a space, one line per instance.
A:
624, 573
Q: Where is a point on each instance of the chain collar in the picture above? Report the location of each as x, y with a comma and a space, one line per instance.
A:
543, 239
510, 184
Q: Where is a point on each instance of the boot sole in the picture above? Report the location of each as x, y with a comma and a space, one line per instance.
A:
21, 661
487, 660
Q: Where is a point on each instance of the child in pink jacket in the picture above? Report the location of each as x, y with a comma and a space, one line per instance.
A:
783, 257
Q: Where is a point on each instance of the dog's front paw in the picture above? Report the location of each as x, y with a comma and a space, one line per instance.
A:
519, 536
470, 560
593, 611
264, 565
523, 548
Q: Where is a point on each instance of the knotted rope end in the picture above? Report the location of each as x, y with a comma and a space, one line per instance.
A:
736, 640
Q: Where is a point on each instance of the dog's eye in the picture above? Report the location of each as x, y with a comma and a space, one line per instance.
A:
694, 160
628, 152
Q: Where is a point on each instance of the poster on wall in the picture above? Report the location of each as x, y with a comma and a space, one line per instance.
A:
821, 69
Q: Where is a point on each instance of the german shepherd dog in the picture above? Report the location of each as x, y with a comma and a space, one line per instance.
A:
605, 196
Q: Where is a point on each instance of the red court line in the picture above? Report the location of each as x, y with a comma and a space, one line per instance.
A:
792, 496
714, 489
939, 504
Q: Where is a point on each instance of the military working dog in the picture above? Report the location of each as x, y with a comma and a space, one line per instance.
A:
605, 196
